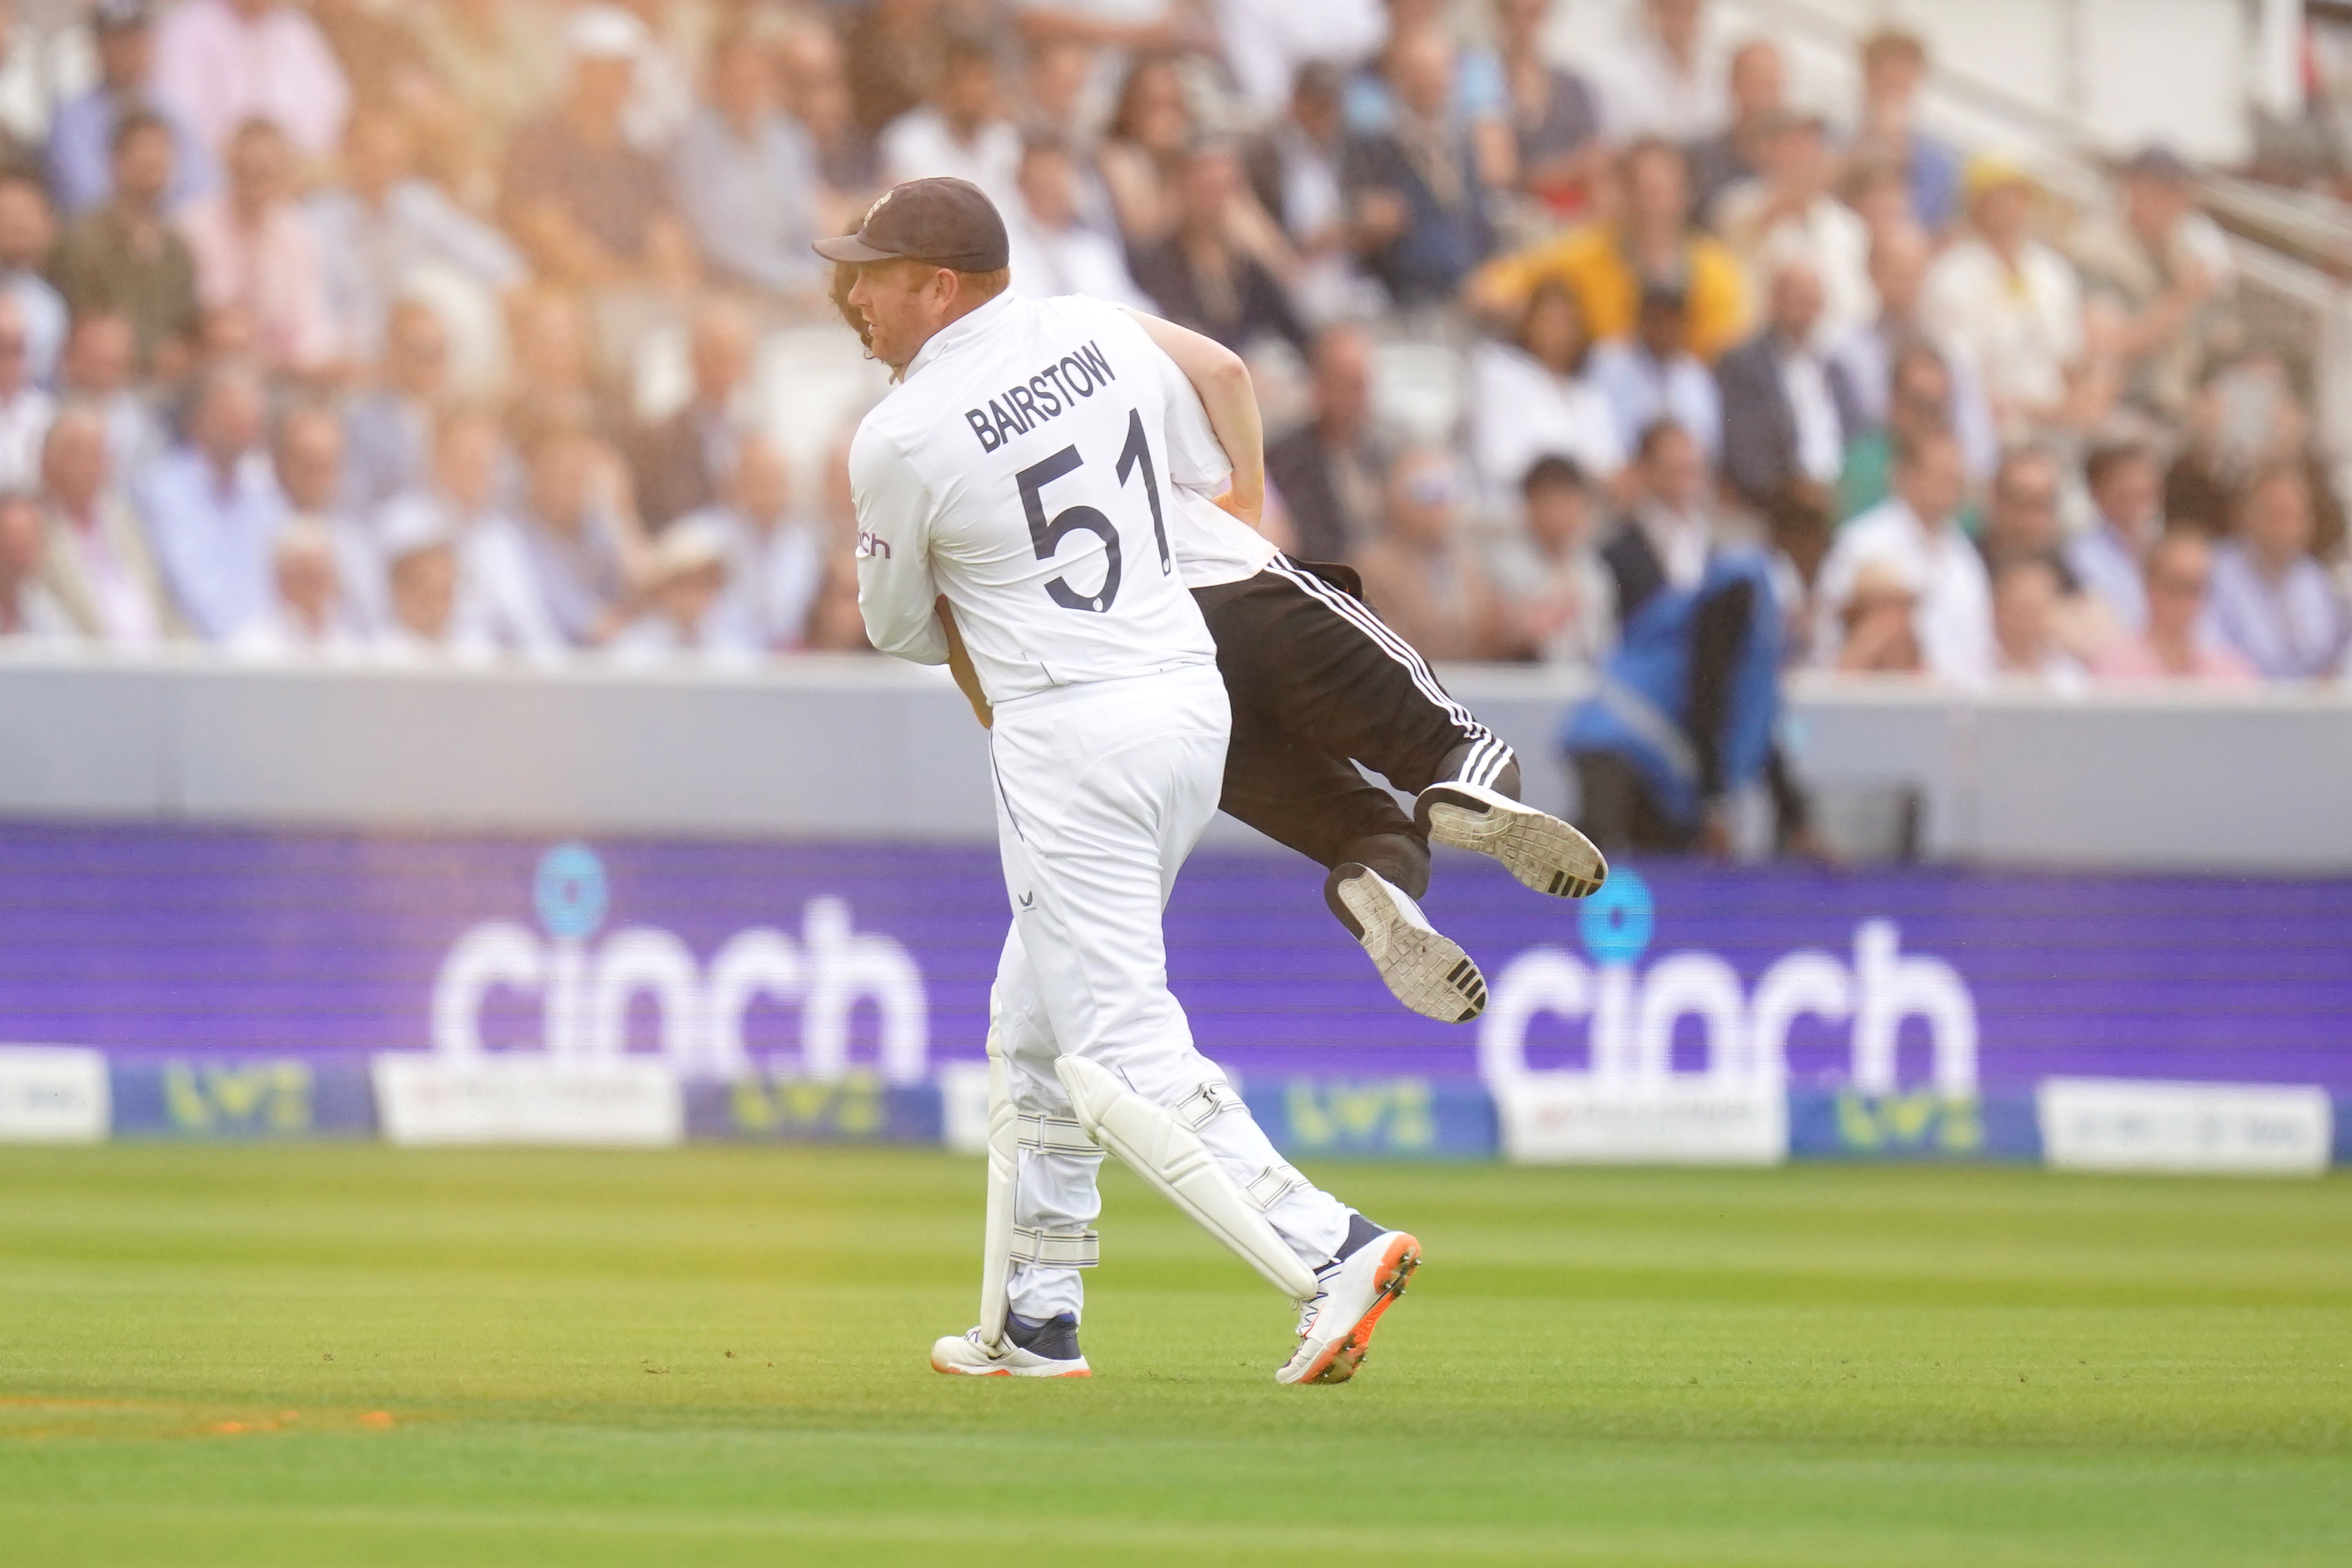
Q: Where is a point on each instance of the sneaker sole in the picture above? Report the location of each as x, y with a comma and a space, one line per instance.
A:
1342, 1361
1004, 1371
1425, 970
1543, 852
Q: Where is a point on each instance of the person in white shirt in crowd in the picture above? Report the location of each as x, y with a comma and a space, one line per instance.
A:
1900, 257
1563, 597
500, 606
1665, 80
30, 612
775, 557
212, 506
308, 615
388, 430
219, 63
2109, 558
423, 622
1297, 174
1532, 398
1879, 624
98, 565
24, 409
962, 132
686, 614
2177, 643
2015, 306
1652, 375
1916, 532
579, 548
383, 227
1790, 210
311, 463
2025, 597
28, 231
100, 368
1266, 43
2272, 602
745, 174
1055, 250
257, 252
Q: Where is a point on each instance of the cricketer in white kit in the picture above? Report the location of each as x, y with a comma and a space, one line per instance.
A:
1021, 473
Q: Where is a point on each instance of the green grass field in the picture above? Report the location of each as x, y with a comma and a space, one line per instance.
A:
347, 1354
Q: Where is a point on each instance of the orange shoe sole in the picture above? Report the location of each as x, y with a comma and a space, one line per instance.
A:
1340, 1361
1006, 1371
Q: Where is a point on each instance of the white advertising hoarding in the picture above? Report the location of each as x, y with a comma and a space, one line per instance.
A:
2129, 1124
1558, 1119
53, 1094
528, 1097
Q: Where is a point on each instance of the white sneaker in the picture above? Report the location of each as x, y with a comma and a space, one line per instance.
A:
1335, 1328
1426, 970
1538, 848
966, 1356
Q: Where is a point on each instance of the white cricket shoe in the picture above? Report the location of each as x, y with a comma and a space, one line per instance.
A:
1335, 1328
966, 1355
1426, 970
1538, 848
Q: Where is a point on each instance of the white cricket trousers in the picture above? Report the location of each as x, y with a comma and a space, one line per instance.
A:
1102, 790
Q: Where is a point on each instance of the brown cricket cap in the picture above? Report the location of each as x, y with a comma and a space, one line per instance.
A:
947, 223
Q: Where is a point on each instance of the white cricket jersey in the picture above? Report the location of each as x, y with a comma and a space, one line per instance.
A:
1028, 467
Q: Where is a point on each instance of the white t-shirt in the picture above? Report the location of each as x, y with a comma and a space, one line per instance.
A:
1953, 614
1025, 468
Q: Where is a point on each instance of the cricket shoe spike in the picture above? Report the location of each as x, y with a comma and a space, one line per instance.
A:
1335, 1326
1538, 848
1049, 1349
1425, 970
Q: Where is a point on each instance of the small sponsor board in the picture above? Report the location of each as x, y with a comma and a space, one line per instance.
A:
1407, 1118
1554, 1119
53, 1094
2127, 1124
526, 1098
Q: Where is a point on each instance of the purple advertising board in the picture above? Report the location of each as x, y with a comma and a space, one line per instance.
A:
174, 945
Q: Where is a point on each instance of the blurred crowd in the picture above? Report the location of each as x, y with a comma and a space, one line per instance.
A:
336, 330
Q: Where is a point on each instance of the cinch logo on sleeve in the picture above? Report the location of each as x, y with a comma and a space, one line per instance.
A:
1048, 395
871, 545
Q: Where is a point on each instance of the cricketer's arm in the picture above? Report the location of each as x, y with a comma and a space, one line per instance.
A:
1222, 382
896, 592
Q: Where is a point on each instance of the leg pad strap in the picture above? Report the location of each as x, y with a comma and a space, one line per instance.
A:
1056, 1135
1271, 1185
1056, 1249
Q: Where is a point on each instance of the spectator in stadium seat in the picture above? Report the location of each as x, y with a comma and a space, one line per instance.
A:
2110, 557
28, 610
28, 231
308, 613
219, 63
1150, 133
2014, 304
1921, 402
1611, 263
2177, 643
2021, 512
1651, 375
255, 249
817, 95
679, 463
99, 368
1055, 250
962, 131
498, 602
834, 624
1200, 278
1663, 80
2025, 611
553, 378
98, 565
310, 455
389, 429
1267, 43
1758, 90
1790, 211
385, 225
212, 506
424, 622
776, 558
744, 175
1531, 398
2159, 276
125, 256
1328, 471
1900, 257
1554, 113
24, 409
495, 60
1420, 575
591, 208
1416, 191
891, 54
1916, 532
1879, 624
1561, 596
687, 610
1788, 410
81, 134
1296, 175
579, 550
1893, 64
2272, 602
